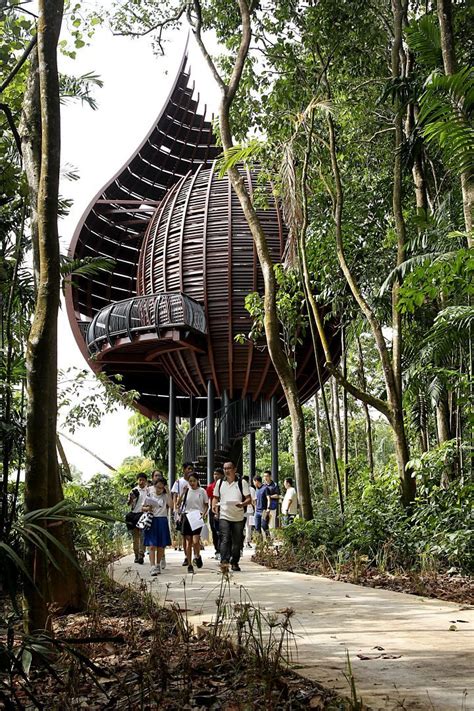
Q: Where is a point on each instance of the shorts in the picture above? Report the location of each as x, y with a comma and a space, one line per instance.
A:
186, 529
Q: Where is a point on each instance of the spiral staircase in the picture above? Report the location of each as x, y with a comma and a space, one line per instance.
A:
231, 424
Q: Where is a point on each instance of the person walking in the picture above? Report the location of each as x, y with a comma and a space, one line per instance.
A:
177, 491
231, 496
261, 506
273, 495
157, 537
213, 519
289, 505
193, 505
249, 515
136, 499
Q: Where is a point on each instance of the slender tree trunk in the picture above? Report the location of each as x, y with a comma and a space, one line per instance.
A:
271, 323
395, 392
41, 470
319, 438
450, 67
423, 433
443, 420
368, 421
345, 417
336, 418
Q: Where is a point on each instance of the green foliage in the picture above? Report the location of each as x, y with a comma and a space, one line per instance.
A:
446, 117
79, 88
290, 311
438, 533
152, 438
108, 494
84, 398
423, 37
240, 154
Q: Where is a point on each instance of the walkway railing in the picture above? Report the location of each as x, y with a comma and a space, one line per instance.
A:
145, 314
231, 423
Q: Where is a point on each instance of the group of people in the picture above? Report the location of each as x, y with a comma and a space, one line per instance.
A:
233, 506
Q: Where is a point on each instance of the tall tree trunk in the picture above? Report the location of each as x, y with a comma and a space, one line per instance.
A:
368, 421
391, 363
450, 67
423, 432
345, 417
336, 418
399, 8
280, 362
443, 420
319, 438
41, 469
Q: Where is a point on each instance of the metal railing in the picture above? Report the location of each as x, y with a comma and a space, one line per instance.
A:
231, 423
145, 314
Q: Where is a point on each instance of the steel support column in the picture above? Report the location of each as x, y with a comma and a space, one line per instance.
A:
192, 412
252, 458
210, 430
225, 423
172, 435
274, 434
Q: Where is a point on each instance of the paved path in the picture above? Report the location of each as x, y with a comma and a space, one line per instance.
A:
416, 658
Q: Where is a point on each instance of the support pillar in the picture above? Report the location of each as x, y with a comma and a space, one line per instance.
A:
172, 435
225, 421
252, 457
210, 431
192, 412
274, 436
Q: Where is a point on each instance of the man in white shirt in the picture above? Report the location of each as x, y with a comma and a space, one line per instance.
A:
230, 498
136, 499
289, 506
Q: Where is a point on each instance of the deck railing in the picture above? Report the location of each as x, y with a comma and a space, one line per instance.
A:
145, 314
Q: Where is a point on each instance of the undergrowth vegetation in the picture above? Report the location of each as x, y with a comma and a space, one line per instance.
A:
435, 536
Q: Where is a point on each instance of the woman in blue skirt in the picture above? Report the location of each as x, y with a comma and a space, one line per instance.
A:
158, 536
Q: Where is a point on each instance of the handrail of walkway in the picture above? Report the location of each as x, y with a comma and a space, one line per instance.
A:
144, 314
232, 422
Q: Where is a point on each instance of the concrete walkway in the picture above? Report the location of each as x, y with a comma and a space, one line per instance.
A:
406, 652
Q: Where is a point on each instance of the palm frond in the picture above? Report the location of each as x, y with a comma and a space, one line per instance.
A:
424, 39
79, 88
446, 111
453, 326
408, 265
239, 154
87, 266
291, 204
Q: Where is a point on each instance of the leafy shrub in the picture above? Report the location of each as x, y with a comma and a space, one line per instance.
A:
437, 533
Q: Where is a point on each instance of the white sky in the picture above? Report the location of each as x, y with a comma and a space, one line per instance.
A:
98, 143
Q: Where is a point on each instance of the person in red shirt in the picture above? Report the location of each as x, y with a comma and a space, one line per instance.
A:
213, 520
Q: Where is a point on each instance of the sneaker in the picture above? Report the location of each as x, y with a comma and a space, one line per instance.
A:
156, 570
136, 559
236, 567
218, 556
163, 563
140, 560
190, 569
198, 562
185, 562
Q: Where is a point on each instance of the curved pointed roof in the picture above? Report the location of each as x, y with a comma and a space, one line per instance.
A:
113, 225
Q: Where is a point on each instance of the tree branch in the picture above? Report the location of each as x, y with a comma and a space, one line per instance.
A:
7, 111
19, 64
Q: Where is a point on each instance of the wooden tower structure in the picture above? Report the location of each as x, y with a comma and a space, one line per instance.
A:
167, 315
